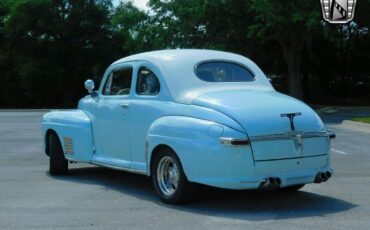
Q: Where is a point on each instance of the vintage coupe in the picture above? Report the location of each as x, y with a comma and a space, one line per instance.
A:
187, 117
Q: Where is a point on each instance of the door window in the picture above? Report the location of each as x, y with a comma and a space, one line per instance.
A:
147, 82
119, 82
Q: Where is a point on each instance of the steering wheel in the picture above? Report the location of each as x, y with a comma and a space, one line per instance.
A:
124, 91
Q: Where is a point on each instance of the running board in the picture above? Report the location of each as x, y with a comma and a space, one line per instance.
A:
119, 168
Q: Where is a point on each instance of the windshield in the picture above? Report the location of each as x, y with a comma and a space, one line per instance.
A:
220, 71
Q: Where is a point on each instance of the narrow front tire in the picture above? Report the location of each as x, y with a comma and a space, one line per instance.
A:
58, 165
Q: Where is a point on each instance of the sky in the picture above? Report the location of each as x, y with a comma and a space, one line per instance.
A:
141, 4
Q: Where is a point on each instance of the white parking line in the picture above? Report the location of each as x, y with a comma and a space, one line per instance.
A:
338, 151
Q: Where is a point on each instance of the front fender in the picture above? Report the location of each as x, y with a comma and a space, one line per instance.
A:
196, 142
74, 131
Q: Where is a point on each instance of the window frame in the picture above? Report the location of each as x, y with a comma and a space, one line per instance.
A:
108, 77
227, 62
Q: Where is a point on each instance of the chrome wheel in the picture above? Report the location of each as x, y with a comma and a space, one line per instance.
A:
169, 180
168, 175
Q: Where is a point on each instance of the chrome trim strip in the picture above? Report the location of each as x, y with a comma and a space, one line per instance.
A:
289, 136
68, 145
229, 140
292, 158
119, 168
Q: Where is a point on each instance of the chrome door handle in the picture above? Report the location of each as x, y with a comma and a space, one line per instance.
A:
125, 106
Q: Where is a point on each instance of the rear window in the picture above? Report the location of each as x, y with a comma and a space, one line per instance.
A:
219, 71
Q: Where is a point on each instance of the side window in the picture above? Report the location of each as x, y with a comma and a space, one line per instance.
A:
147, 82
119, 82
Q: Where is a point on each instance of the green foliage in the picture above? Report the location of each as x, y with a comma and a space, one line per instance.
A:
130, 22
49, 47
362, 119
53, 46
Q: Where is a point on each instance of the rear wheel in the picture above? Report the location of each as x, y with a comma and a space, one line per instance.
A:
168, 178
58, 165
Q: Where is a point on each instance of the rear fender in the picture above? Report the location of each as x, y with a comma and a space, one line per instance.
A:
197, 144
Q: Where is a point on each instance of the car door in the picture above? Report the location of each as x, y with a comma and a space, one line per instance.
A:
148, 103
111, 128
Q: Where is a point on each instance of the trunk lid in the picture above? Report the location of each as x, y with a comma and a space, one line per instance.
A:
261, 114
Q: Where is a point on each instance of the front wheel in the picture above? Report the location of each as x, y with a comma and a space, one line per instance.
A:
58, 165
168, 178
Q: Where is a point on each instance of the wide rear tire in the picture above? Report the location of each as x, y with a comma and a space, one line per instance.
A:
58, 165
169, 179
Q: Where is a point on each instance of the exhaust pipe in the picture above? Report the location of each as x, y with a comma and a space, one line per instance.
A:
319, 178
271, 183
322, 177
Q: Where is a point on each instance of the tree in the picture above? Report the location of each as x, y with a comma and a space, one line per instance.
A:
202, 24
131, 23
292, 24
56, 45
49, 47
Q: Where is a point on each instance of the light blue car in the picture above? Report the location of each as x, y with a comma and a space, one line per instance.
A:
187, 117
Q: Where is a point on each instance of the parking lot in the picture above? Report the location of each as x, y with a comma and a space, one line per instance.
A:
94, 197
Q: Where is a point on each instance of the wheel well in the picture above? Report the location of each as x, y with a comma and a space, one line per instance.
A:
47, 135
155, 151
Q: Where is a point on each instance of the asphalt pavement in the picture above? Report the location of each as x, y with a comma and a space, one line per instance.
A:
91, 197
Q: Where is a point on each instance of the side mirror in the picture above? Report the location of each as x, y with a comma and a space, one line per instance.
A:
90, 85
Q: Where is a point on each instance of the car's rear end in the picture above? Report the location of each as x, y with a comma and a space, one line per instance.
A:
288, 141
290, 159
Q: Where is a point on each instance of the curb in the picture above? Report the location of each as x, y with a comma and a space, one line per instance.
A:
357, 126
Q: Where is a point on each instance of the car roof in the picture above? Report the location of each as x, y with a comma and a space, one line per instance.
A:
177, 67
171, 56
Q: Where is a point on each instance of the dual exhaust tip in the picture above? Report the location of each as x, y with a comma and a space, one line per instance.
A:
275, 182
322, 177
271, 183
